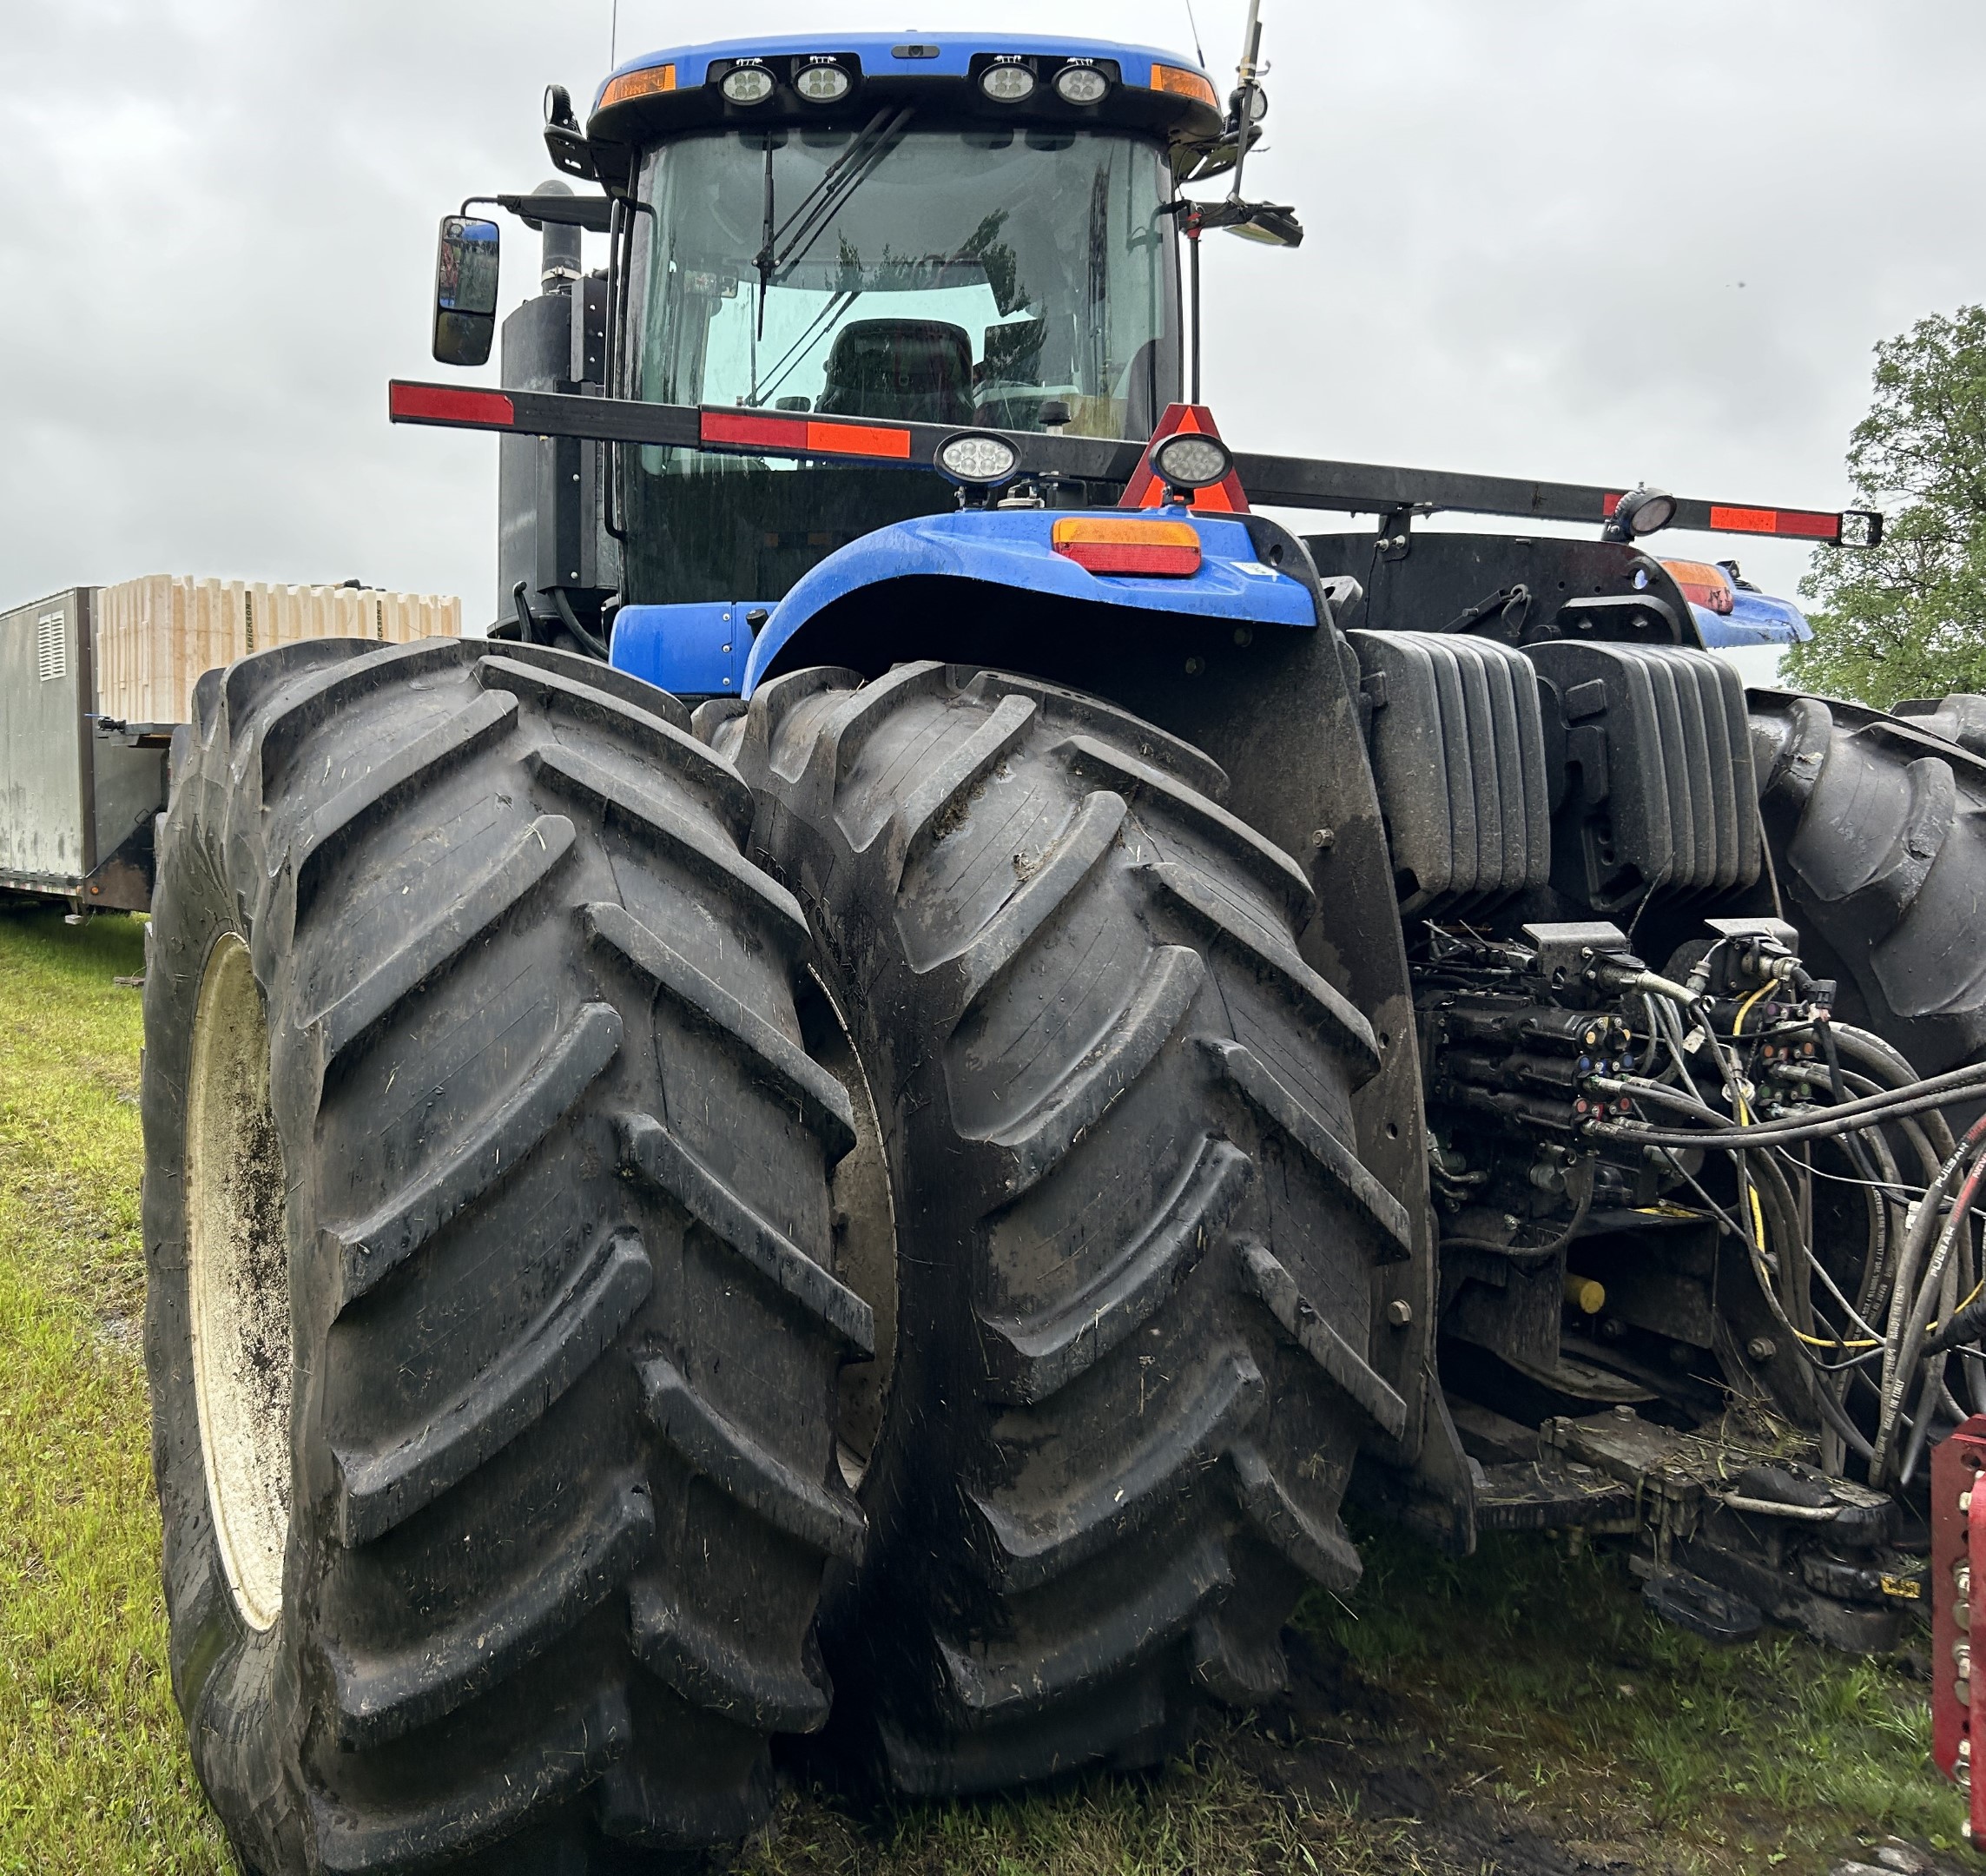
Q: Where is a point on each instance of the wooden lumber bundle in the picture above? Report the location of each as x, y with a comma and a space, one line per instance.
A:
156, 634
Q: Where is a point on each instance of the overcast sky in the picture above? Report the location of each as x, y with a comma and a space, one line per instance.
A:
1588, 240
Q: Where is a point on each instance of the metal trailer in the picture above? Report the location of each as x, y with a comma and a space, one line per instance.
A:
76, 800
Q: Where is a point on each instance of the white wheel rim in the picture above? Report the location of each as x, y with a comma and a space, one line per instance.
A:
238, 1283
864, 1213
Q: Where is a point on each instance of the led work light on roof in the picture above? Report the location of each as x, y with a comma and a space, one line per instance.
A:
1080, 84
1641, 511
1008, 84
1190, 460
746, 84
977, 461
822, 84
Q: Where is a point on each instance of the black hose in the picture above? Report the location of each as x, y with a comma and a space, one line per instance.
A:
1942, 1091
1527, 1257
1882, 1063
1831, 1056
571, 620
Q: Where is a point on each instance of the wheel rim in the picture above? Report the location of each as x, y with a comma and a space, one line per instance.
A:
864, 1215
238, 1283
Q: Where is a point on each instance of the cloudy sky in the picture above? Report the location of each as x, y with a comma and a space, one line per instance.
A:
1555, 238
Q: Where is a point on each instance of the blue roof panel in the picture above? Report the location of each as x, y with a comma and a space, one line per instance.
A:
876, 51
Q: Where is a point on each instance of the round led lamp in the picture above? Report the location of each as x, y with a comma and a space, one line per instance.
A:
746, 84
822, 84
1642, 510
1191, 461
1080, 84
1008, 84
977, 459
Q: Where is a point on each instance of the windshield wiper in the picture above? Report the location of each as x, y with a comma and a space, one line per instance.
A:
825, 321
780, 247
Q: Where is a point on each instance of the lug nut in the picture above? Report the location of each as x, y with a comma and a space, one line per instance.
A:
1761, 1347
1400, 1312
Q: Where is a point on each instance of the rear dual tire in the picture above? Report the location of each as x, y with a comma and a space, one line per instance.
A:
492, 1332
1137, 1255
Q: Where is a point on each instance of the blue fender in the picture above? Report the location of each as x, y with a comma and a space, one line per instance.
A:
1011, 548
1755, 618
701, 650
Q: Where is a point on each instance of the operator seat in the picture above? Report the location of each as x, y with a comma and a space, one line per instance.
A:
917, 371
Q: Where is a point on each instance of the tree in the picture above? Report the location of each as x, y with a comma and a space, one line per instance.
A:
1909, 618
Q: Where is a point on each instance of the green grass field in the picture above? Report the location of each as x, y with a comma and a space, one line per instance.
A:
1515, 1712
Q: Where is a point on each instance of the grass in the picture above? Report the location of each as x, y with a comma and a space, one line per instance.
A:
1514, 1712
93, 1773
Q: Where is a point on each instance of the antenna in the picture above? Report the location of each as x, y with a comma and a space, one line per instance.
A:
1193, 25
614, 36
1247, 88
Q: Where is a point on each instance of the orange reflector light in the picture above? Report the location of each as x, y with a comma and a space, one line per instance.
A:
1775, 521
646, 82
1702, 583
859, 440
1184, 83
800, 436
1164, 550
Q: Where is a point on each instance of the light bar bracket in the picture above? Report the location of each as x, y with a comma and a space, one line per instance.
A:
1271, 481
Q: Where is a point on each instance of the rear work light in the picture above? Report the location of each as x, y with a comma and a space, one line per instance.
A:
746, 84
1164, 550
1702, 583
1080, 84
822, 84
1008, 84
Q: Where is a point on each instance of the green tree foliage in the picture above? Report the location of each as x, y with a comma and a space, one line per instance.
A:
1908, 619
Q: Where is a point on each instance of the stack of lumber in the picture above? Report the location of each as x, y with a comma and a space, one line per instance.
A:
156, 636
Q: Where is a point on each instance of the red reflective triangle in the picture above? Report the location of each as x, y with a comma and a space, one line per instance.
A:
1145, 490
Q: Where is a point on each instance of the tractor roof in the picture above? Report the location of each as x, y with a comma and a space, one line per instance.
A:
681, 88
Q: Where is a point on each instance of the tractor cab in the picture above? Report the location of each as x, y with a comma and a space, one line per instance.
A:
975, 231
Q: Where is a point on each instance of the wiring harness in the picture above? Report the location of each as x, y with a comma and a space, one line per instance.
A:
1729, 1093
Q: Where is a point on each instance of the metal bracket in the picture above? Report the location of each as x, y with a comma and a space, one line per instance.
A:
1958, 1615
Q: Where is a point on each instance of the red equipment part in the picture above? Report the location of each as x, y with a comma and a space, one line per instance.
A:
1145, 489
1958, 1619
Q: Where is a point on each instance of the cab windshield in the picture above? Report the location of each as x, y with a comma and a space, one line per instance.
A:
922, 275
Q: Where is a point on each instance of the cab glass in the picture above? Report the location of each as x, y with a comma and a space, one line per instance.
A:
962, 277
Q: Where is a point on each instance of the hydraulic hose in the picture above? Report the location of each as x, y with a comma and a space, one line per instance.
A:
571, 620
1913, 1318
1526, 1257
1882, 1063
1941, 1090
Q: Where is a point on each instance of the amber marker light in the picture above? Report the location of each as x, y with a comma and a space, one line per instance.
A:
1702, 583
650, 82
1164, 550
1184, 83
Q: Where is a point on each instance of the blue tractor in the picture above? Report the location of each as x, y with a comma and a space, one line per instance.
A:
835, 1147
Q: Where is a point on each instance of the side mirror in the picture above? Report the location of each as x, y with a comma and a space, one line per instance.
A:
465, 266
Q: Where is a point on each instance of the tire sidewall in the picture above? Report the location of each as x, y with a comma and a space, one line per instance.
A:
235, 1686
